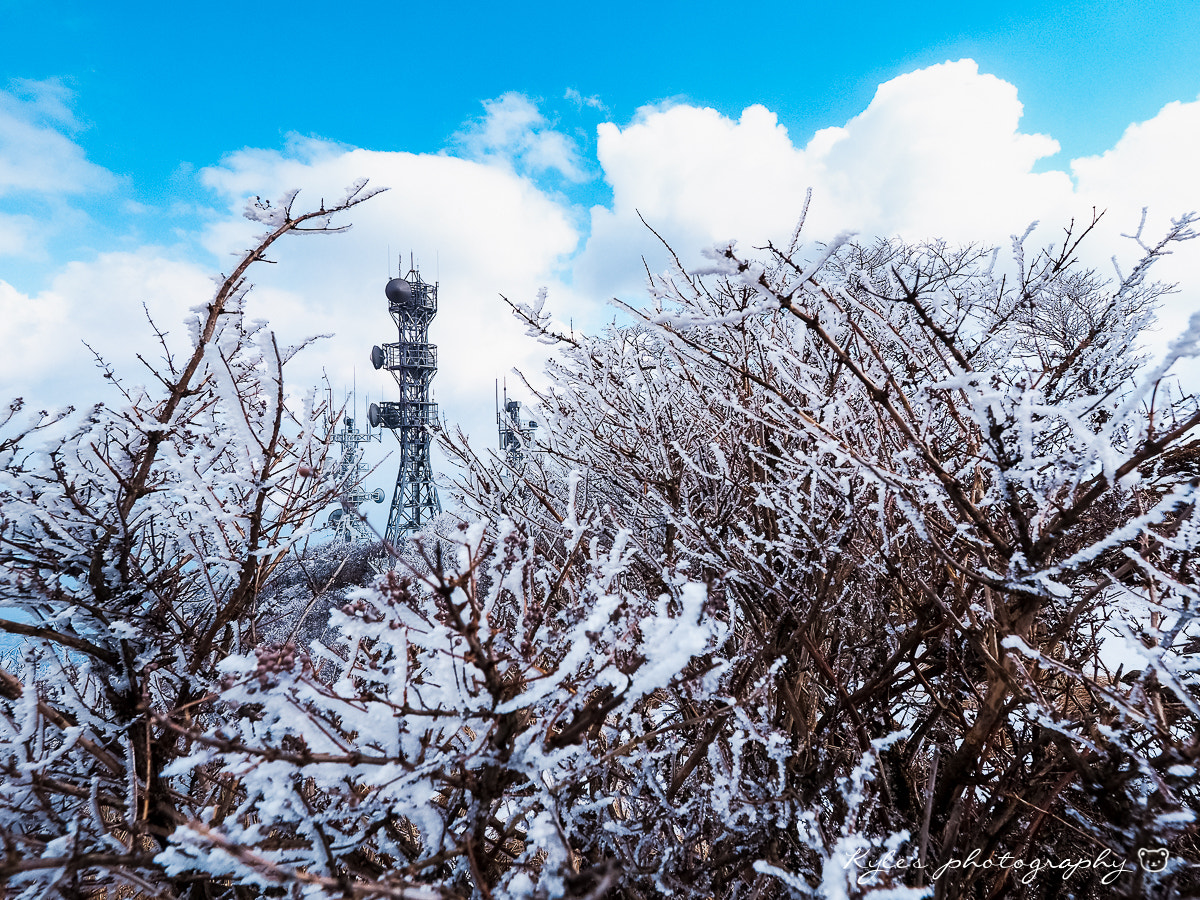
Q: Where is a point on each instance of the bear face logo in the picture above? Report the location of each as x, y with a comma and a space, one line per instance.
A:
1153, 860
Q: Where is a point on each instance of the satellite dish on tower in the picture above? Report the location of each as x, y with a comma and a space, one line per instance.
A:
377, 356
373, 415
399, 292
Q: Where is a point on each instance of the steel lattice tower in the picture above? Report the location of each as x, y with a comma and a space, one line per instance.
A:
412, 360
346, 521
515, 435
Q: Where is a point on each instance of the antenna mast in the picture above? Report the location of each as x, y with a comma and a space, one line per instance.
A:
515, 435
347, 520
412, 360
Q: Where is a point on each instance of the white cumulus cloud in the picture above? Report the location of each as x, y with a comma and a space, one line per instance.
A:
37, 154
103, 304
43, 171
514, 131
938, 152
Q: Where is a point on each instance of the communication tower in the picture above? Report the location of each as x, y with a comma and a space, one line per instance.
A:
412, 360
346, 522
515, 435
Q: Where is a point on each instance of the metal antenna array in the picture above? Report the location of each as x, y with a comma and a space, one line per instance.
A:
412, 360
515, 435
351, 468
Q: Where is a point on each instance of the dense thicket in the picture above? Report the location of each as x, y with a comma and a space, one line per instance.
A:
135, 540
948, 520
847, 570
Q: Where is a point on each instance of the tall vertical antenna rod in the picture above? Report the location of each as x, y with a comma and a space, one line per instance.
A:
412, 360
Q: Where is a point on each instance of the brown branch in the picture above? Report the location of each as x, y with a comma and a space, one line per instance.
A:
71, 641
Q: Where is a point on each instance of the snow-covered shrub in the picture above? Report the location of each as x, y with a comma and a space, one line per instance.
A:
134, 540
449, 737
861, 571
847, 571
305, 587
948, 520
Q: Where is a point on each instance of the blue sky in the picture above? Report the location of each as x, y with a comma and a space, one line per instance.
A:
164, 83
161, 90
521, 142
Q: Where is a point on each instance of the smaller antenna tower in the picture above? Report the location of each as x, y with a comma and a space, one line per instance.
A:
348, 524
515, 435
